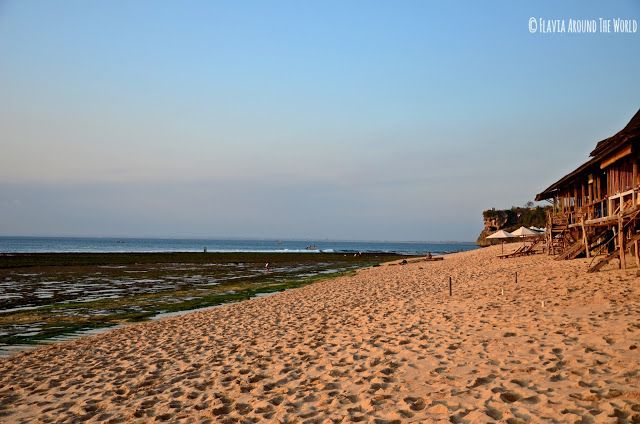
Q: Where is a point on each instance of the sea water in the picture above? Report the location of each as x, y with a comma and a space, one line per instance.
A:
110, 244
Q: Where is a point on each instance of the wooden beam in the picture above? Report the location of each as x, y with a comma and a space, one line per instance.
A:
619, 155
623, 264
585, 240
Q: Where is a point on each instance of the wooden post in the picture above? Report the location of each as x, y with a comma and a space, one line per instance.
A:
623, 264
516, 277
635, 183
585, 240
450, 288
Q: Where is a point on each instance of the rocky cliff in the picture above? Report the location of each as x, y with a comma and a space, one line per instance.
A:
510, 220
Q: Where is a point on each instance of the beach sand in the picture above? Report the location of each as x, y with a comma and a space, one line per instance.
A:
386, 345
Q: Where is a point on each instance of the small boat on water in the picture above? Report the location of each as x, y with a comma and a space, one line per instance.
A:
311, 247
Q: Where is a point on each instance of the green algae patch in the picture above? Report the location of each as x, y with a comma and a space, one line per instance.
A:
51, 296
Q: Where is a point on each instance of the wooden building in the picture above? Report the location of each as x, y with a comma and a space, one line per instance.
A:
596, 208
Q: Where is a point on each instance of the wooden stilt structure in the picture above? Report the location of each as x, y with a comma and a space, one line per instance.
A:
596, 208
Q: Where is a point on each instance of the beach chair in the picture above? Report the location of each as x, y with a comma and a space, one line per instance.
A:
529, 250
516, 252
523, 250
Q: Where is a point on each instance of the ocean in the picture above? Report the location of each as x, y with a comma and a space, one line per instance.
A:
109, 244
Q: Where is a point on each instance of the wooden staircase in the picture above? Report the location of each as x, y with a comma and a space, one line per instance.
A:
603, 261
557, 233
611, 256
572, 251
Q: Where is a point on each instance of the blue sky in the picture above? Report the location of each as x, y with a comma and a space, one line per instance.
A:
345, 120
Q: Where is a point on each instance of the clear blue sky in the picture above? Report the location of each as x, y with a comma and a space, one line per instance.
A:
314, 119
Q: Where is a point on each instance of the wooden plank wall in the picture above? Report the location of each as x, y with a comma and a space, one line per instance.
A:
620, 176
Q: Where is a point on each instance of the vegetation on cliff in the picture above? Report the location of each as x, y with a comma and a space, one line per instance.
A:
511, 219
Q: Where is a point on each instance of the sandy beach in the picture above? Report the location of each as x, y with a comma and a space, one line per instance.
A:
386, 345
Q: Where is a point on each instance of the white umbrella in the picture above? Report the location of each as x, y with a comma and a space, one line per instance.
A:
501, 234
524, 232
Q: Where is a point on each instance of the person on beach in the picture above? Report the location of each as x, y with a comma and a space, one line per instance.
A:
267, 266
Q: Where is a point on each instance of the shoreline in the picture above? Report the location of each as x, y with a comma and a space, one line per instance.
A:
387, 343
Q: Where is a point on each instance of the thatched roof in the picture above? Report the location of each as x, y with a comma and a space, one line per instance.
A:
630, 133
632, 130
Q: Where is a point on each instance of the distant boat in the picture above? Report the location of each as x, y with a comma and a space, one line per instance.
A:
311, 247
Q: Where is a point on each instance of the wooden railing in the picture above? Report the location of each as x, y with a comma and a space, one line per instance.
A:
609, 207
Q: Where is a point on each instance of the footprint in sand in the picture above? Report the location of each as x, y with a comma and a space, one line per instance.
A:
415, 403
510, 397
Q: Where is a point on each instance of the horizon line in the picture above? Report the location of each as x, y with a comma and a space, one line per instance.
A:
241, 239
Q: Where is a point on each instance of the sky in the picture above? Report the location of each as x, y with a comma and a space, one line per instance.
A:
346, 120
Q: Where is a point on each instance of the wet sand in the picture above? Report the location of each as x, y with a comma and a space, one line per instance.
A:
386, 345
